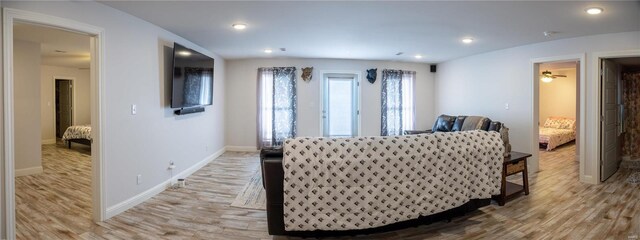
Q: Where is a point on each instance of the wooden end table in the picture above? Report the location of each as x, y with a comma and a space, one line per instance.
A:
515, 163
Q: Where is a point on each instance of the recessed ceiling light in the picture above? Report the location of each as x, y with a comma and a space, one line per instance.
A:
467, 40
184, 53
239, 26
268, 50
418, 56
594, 10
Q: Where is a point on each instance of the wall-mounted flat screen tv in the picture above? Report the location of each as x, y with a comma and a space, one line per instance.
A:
192, 78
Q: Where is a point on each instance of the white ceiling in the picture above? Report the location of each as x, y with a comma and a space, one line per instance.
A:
377, 30
75, 46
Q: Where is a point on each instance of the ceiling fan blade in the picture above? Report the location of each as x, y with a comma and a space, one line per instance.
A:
559, 76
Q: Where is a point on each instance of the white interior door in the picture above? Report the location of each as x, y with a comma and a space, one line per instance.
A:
610, 121
340, 105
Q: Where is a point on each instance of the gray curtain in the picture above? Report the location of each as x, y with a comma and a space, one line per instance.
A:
284, 104
277, 103
397, 101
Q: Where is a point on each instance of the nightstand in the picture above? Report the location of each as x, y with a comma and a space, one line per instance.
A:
515, 163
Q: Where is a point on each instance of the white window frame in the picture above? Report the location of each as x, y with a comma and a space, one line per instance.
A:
357, 99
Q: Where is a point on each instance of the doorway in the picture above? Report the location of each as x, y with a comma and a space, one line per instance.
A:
340, 101
558, 122
64, 181
13, 17
63, 100
574, 108
620, 114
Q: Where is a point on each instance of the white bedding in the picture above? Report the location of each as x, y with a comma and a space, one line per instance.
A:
555, 137
366, 182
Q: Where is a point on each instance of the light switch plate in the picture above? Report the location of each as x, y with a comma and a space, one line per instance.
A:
506, 106
134, 109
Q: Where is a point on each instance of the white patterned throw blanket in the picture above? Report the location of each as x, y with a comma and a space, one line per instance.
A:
366, 182
77, 132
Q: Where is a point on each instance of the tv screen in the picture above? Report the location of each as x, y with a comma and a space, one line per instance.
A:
192, 78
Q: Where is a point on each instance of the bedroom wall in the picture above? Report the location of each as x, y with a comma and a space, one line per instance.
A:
484, 83
242, 104
26, 92
81, 96
134, 73
558, 98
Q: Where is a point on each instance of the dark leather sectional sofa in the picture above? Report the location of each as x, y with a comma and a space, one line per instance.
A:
273, 179
446, 123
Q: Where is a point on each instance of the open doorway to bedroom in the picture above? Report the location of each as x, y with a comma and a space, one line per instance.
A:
558, 120
52, 110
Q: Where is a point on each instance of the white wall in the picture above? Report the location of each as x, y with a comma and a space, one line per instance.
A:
558, 98
26, 92
3, 216
241, 95
483, 83
81, 98
134, 73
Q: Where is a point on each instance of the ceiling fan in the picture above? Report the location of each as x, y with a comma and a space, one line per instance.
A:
547, 76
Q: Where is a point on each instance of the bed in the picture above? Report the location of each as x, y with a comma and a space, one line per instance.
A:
77, 134
557, 131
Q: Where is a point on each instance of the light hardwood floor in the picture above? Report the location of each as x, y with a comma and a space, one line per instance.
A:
559, 207
57, 203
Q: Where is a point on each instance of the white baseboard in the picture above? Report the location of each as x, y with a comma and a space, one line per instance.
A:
144, 196
241, 149
28, 171
49, 141
588, 179
187, 172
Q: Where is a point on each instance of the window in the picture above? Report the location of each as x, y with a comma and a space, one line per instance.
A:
398, 110
276, 105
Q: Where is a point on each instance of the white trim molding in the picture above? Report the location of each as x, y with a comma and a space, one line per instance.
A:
48, 141
29, 171
97, 106
581, 57
146, 195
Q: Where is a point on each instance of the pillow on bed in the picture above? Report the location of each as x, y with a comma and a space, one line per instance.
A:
552, 123
568, 124
560, 123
